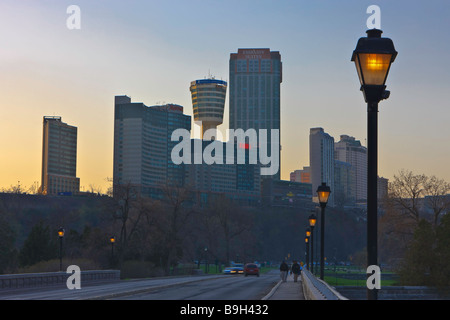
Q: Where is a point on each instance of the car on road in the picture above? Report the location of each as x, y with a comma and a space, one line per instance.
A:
251, 269
233, 270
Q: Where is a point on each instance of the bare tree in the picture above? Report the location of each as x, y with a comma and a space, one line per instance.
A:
406, 192
95, 189
131, 211
174, 214
436, 191
34, 189
232, 220
17, 189
413, 194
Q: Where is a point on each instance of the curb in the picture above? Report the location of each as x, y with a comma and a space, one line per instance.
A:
274, 289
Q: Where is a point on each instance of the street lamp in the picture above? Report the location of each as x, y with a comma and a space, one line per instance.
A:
61, 236
308, 234
112, 240
206, 260
373, 56
323, 192
312, 223
307, 251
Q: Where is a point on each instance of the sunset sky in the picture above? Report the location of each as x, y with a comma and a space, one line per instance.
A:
151, 50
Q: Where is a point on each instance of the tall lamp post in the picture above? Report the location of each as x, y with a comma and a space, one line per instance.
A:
61, 236
373, 56
323, 192
312, 223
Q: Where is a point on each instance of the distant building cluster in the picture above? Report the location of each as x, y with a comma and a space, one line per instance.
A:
342, 165
142, 136
143, 145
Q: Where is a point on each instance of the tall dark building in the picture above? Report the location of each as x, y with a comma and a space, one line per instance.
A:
238, 182
59, 158
143, 146
321, 161
254, 91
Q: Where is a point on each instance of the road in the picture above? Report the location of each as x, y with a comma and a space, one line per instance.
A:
231, 287
207, 287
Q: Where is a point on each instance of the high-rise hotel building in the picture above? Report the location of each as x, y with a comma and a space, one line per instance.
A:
59, 158
350, 150
208, 102
254, 91
321, 160
143, 146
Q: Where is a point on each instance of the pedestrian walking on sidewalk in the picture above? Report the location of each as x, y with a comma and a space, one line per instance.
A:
295, 269
284, 269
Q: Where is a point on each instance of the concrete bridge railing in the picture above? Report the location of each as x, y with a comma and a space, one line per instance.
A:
29, 280
316, 289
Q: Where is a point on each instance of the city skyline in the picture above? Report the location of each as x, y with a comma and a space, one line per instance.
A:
125, 48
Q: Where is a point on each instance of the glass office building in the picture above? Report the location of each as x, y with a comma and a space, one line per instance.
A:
254, 91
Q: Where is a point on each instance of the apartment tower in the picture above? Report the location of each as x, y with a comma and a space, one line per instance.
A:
59, 158
321, 160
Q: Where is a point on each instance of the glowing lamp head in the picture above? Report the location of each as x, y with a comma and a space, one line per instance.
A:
61, 232
373, 68
373, 56
112, 239
323, 192
308, 232
312, 220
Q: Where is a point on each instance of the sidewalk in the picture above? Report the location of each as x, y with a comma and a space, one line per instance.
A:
288, 290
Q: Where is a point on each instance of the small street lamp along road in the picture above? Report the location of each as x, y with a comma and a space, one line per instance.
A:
323, 192
61, 236
206, 260
307, 237
307, 250
312, 223
373, 56
112, 240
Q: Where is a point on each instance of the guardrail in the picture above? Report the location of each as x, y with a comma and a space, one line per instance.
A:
29, 280
316, 289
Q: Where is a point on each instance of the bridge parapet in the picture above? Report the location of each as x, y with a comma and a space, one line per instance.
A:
316, 289
29, 280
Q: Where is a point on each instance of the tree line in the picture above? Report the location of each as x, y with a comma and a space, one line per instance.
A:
414, 231
161, 233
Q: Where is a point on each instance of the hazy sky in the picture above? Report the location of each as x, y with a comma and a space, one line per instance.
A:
151, 50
